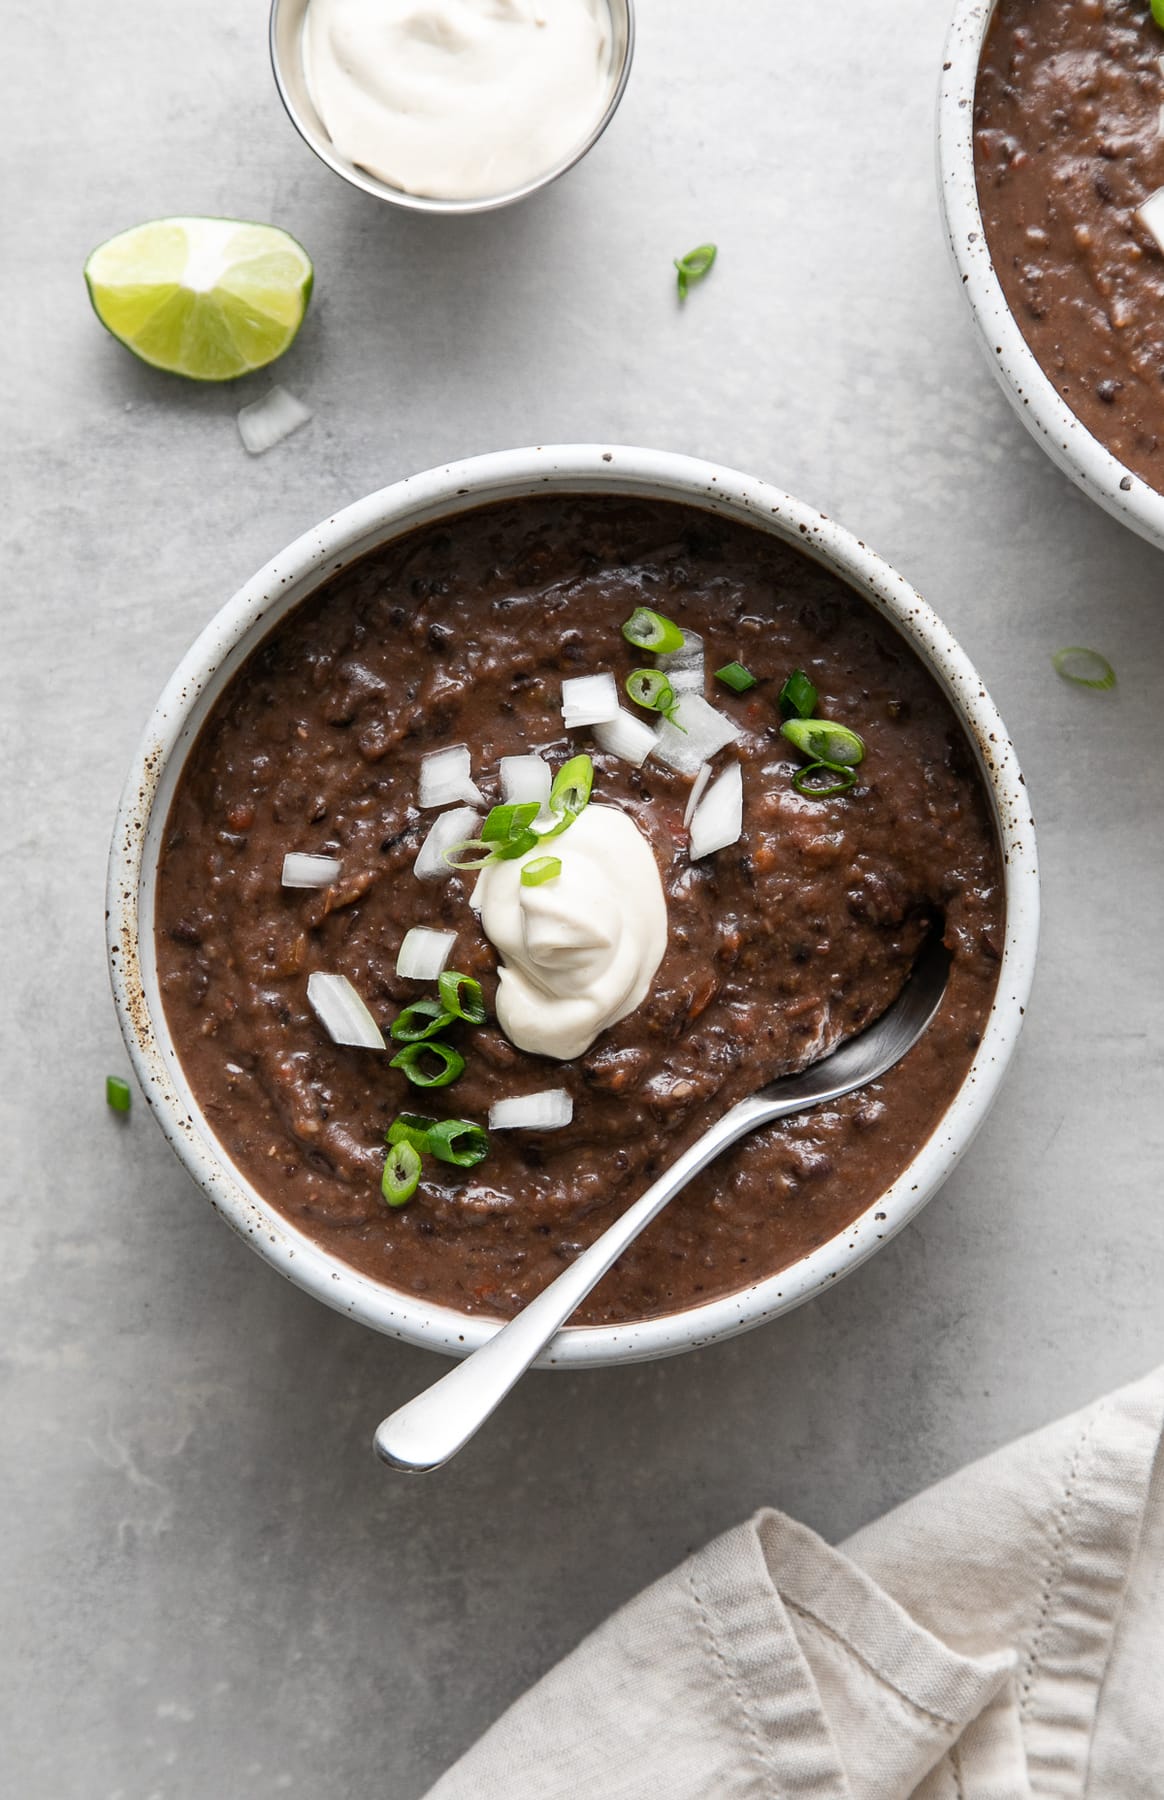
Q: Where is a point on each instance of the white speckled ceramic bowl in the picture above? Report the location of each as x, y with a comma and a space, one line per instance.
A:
1039, 405
285, 39
339, 541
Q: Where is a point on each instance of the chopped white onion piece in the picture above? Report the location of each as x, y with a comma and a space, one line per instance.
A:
719, 817
589, 699
266, 422
1151, 214
626, 737
696, 794
302, 871
547, 1111
525, 778
694, 736
688, 656
447, 775
448, 828
342, 1013
424, 953
686, 681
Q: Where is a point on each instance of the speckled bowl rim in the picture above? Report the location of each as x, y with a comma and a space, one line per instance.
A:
338, 541
1042, 409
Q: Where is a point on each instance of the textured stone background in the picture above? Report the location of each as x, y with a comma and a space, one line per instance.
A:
209, 1586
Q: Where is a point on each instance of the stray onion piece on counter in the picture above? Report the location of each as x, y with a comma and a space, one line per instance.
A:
266, 422
694, 266
1085, 668
118, 1095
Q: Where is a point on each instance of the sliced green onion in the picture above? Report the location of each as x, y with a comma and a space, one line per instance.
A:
1158, 11
461, 997
694, 266
401, 1176
648, 630
118, 1094
834, 745
459, 1142
1087, 668
839, 780
470, 853
798, 696
650, 688
422, 1020
509, 821
410, 1061
735, 676
410, 1128
542, 868
570, 793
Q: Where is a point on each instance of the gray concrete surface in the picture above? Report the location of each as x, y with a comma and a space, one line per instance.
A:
209, 1587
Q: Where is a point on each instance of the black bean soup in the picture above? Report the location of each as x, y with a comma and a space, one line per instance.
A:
793, 937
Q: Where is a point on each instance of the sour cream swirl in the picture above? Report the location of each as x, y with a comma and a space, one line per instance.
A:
581, 951
458, 99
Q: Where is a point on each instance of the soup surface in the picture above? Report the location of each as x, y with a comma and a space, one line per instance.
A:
793, 937
1067, 147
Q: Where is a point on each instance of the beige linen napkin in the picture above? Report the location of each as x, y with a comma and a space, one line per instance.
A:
997, 1638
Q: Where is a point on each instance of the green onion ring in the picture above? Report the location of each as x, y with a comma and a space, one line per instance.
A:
542, 868
798, 696
410, 1060
410, 1128
422, 1020
118, 1094
843, 779
648, 630
650, 688
456, 858
825, 742
570, 793
1103, 676
401, 1176
459, 1142
461, 997
735, 676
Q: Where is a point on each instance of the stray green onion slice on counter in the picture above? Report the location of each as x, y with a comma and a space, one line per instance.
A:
1087, 668
838, 782
542, 868
459, 1142
798, 696
411, 1059
694, 266
118, 1094
650, 688
834, 745
401, 1176
420, 1021
410, 1128
648, 630
735, 676
461, 997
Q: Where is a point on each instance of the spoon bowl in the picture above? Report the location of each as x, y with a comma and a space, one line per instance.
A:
428, 1430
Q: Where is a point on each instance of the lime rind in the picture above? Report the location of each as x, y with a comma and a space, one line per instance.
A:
209, 299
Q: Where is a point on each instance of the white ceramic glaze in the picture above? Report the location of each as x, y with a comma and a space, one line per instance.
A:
284, 40
1036, 400
339, 541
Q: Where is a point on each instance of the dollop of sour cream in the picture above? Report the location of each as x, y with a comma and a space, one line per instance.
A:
580, 951
458, 99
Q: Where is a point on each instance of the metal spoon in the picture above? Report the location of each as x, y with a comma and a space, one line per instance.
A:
428, 1430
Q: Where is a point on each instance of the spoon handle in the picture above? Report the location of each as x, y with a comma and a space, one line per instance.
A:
427, 1431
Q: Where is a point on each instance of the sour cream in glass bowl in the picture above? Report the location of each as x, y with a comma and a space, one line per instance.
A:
451, 106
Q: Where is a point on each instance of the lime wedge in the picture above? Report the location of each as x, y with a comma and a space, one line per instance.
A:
207, 298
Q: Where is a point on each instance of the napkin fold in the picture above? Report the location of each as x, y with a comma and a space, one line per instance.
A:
999, 1637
